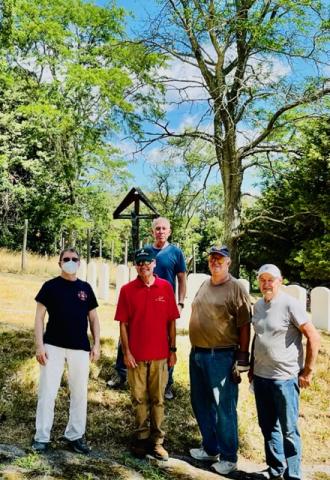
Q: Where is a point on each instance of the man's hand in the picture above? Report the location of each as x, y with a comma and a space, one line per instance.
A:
171, 359
305, 378
94, 354
250, 374
41, 355
242, 361
129, 360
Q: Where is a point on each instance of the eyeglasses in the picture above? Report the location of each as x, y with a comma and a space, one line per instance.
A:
140, 263
68, 259
214, 259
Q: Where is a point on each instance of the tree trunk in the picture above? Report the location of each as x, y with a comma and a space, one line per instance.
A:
231, 173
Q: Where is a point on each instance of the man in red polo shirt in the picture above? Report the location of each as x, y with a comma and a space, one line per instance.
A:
147, 312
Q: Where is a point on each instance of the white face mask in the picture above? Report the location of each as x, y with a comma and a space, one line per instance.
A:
70, 267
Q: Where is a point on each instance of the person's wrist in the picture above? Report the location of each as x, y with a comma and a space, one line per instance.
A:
181, 304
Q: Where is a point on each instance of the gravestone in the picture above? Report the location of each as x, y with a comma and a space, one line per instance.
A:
194, 281
297, 292
320, 307
245, 283
183, 321
92, 276
132, 273
103, 286
82, 272
122, 277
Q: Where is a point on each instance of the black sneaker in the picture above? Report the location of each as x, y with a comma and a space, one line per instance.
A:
39, 447
139, 448
117, 382
169, 395
79, 446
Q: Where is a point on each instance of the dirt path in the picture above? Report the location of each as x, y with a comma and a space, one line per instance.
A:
19, 464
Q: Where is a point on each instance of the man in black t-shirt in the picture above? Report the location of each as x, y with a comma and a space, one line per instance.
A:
71, 305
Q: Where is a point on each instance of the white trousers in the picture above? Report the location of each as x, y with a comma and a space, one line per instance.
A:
49, 383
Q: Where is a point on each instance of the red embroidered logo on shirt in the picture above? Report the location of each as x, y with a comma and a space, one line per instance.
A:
160, 299
82, 295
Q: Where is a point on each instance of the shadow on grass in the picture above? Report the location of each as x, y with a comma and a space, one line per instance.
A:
110, 420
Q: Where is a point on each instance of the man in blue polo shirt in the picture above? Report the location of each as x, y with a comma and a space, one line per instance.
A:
171, 266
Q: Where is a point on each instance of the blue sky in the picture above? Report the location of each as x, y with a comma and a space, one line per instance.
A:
185, 115
139, 168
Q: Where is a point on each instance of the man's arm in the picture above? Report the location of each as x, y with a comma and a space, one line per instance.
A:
242, 355
129, 360
182, 286
39, 333
94, 325
172, 342
244, 337
312, 348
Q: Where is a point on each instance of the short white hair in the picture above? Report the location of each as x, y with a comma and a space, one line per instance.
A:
160, 219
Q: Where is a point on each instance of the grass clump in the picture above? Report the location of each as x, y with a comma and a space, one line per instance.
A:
110, 420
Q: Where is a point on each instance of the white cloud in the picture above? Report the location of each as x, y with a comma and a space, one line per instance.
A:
186, 84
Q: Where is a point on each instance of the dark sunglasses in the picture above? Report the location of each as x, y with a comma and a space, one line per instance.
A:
68, 259
139, 263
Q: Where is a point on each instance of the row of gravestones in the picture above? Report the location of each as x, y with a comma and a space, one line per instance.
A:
97, 274
320, 296
320, 300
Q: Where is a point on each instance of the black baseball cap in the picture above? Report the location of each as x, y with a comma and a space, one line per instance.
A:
145, 254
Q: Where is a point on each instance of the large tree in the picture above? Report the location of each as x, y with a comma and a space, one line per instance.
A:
70, 81
251, 68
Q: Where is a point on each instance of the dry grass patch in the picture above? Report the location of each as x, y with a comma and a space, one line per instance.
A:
110, 417
42, 265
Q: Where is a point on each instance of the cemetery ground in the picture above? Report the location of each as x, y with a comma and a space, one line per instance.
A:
110, 417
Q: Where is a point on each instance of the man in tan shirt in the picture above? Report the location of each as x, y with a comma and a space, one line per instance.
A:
219, 333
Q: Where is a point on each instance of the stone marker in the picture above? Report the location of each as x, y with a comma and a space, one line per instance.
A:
82, 272
92, 276
297, 292
122, 277
320, 307
194, 281
103, 287
132, 273
183, 321
245, 283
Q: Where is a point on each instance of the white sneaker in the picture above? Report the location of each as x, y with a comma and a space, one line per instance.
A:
223, 467
200, 454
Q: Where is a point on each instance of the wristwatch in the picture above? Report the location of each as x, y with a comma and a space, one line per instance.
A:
181, 304
173, 349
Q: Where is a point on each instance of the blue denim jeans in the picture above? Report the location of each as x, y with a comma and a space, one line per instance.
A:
278, 409
214, 401
121, 369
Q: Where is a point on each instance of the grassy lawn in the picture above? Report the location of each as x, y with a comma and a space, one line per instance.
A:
110, 418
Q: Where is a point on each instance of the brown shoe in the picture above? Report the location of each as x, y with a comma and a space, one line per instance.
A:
139, 448
159, 452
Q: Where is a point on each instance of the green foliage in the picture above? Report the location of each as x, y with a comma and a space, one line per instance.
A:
259, 67
180, 192
288, 225
70, 81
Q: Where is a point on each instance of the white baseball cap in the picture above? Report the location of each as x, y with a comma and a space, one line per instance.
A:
273, 270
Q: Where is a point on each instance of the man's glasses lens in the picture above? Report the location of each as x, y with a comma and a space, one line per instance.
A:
220, 260
143, 262
67, 259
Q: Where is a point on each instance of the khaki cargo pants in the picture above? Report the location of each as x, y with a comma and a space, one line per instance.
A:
147, 382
